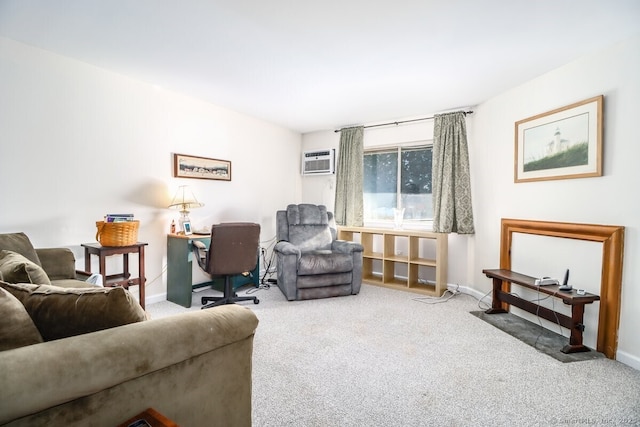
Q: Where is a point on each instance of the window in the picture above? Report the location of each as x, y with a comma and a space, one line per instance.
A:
404, 171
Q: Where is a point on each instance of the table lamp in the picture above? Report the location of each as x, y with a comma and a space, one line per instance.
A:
184, 200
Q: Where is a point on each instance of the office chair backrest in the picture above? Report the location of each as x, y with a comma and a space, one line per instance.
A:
234, 248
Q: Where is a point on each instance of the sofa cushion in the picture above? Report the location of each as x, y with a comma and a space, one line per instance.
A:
73, 283
61, 312
16, 268
16, 327
20, 243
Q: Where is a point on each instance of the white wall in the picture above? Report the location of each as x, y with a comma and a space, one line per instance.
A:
77, 142
610, 199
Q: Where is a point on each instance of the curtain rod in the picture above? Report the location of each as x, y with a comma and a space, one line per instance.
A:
403, 121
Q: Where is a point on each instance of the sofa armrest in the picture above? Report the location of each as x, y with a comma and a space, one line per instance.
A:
86, 364
83, 275
346, 247
58, 263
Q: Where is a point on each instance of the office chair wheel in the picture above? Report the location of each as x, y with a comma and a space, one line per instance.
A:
256, 301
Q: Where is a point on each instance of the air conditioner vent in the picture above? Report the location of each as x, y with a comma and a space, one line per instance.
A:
319, 162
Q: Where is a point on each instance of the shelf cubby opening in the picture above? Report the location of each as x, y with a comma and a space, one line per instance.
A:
402, 259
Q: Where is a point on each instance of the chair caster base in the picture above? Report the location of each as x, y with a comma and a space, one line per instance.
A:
216, 301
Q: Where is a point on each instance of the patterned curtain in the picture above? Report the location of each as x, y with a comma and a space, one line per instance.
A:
452, 210
349, 203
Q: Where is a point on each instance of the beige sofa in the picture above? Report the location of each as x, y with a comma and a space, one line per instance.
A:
194, 368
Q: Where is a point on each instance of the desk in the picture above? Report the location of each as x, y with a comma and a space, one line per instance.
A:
577, 303
121, 279
180, 270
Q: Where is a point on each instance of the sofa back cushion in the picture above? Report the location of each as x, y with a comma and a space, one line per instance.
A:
20, 243
60, 312
15, 268
16, 327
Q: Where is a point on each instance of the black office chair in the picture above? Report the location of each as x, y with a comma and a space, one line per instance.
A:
233, 250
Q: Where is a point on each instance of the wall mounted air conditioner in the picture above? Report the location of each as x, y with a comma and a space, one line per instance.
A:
318, 162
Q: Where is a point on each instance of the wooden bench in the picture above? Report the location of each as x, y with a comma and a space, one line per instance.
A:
502, 297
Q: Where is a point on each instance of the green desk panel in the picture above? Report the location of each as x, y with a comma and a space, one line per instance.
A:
179, 271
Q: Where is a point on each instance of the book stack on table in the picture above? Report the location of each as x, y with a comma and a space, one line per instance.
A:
118, 218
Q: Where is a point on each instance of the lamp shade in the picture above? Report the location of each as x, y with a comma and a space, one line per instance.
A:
185, 199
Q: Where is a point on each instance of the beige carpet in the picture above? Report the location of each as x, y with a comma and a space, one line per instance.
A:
387, 358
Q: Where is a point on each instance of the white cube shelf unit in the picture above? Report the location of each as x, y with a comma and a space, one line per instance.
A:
416, 253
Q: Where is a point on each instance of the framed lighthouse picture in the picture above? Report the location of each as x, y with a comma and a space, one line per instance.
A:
560, 144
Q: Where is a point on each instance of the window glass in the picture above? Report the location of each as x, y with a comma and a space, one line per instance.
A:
402, 170
380, 184
415, 177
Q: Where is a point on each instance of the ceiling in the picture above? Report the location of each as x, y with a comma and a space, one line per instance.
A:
318, 65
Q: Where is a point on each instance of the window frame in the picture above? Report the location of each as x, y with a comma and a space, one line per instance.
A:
415, 224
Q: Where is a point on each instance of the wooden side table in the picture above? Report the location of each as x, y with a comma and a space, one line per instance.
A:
149, 418
121, 279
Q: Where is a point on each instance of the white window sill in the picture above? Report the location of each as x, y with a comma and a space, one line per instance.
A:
406, 225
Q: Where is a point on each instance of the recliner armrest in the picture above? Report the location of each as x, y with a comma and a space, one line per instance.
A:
346, 247
286, 248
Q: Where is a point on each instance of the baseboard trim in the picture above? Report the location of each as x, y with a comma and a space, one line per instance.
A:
152, 299
470, 291
628, 359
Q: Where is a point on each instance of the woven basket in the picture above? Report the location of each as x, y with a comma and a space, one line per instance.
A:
117, 233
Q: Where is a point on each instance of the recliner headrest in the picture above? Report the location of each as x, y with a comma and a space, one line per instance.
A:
307, 214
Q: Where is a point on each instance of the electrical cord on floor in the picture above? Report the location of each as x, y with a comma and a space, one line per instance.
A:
542, 328
446, 296
456, 291
265, 283
258, 288
480, 301
536, 301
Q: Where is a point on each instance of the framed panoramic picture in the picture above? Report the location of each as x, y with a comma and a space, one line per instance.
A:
560, 144
185, 166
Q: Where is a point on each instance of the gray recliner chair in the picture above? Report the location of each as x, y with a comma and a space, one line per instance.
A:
311, 263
